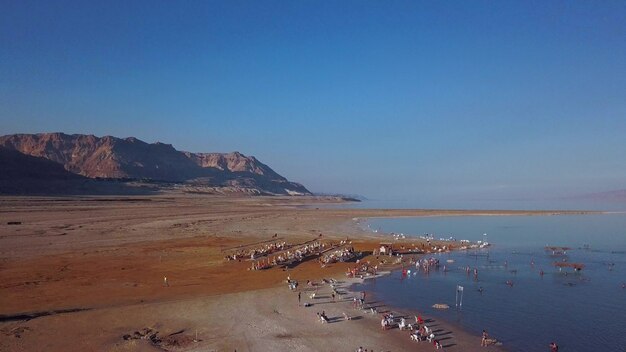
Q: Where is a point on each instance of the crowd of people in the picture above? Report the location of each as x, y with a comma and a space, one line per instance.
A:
286, 257
340, 255
301, 253
363, 268
257, 252
419, 331
426, 264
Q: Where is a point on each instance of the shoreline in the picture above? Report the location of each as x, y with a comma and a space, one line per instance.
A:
410, 313
110, 258
451, 327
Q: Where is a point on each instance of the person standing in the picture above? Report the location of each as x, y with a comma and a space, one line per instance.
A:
299, 298
483, 342
420, 321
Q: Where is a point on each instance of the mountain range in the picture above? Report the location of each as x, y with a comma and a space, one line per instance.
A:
57, 156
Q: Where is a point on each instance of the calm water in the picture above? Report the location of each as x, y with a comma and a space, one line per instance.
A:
581, 312
567, 204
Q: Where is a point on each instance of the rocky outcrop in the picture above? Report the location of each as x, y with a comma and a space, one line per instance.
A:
234, 162
130, 158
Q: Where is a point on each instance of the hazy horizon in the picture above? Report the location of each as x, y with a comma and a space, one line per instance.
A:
391, 100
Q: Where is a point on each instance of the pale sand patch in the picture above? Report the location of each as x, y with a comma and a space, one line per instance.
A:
260, 320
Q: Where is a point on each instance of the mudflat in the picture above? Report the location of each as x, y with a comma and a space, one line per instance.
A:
88, 273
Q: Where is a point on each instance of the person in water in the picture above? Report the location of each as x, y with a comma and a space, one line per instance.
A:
554, 347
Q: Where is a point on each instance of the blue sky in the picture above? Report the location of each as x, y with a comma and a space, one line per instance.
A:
424, 99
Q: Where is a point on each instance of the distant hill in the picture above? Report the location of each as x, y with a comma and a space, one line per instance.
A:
130, 158
616, 195
346, 197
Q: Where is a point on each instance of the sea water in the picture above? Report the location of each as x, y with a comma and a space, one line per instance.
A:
584, 311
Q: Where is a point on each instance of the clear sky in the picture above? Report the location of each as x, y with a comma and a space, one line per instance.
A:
423, 99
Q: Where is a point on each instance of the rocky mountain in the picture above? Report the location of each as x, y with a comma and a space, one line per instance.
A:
233, 162
130, 158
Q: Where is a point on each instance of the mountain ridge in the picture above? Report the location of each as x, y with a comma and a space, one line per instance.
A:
110, 157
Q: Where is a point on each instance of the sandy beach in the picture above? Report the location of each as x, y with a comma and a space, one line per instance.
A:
87, 273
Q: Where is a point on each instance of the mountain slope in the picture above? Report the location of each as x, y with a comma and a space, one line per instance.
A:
111, 157
15, 165
233, 162
106, 157
25, 174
